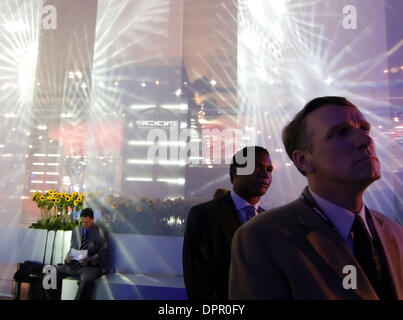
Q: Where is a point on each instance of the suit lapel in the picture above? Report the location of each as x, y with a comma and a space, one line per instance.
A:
80, 236
332, 249
229, 213
390, 249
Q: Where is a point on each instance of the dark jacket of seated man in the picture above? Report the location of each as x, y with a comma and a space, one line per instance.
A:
87, 236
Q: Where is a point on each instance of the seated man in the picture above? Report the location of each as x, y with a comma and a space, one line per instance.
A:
89, 237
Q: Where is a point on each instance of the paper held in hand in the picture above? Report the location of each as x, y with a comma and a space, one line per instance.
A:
78, 254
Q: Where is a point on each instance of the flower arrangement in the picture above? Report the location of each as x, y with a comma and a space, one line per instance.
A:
55, 213
122, 214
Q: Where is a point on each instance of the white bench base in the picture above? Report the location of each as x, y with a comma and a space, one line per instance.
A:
123, 286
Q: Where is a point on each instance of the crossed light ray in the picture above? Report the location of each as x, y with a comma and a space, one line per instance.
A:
19, 27
289, 58
123, 29
19, 30
120, 27
207, 185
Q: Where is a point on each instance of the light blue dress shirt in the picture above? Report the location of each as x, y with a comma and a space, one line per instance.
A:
241, 204
341, 218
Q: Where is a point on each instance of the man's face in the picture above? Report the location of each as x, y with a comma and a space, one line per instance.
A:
87, 222
257, 183
341, 150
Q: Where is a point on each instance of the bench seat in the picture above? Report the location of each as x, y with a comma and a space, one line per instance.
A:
126, 286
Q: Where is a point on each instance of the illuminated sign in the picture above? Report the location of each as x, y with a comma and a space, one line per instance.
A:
156, 123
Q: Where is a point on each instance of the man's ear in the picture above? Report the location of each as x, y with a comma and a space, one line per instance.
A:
302, 160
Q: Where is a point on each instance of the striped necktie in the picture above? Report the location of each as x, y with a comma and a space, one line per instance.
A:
84, 240
367, 256
250, 212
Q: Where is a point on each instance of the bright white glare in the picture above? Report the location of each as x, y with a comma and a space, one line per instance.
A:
140, 161
329, 80
179, 181
142, 106
139, 179
66, 181
10, 115
79, 74
279, 6
175, 106
172, 163
140, 143
15, 26
26, 77
178, 92
172, 143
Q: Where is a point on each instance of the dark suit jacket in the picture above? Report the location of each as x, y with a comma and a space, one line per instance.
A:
97, 245
207, 248
292, 253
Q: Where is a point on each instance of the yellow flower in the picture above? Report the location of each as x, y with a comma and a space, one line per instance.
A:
34, 196
67, 198
80, 198
58, 200
42, 197
81, 194
51, 192
74, 194
76, 203
139, 208
50, 198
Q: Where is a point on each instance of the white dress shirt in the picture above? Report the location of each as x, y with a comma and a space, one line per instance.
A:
341, 218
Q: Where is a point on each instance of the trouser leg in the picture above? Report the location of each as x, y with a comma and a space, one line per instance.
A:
63, 271
86, 283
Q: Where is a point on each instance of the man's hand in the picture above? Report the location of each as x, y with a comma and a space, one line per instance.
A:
84, 261
68, 259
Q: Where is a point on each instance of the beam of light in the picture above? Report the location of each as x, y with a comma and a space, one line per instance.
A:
279, 72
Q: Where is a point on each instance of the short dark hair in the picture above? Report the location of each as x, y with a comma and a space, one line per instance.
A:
294, 134
87, 212
244, 152
220, 193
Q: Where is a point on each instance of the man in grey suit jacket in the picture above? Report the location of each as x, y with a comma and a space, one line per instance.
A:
327, 244
89, 237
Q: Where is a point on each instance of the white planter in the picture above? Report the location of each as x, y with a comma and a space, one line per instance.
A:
33, 243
